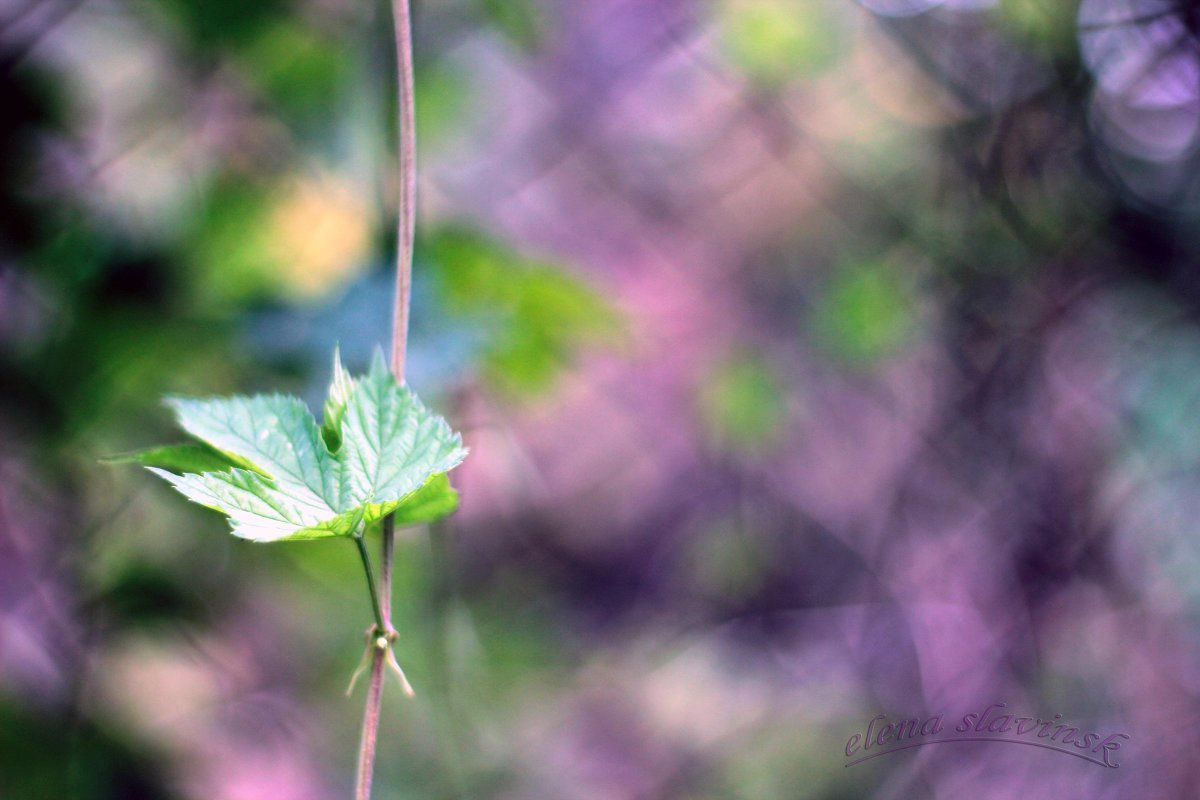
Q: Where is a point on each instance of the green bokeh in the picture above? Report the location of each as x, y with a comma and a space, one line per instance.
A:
865, 314
775, 41
742, 404
536, 315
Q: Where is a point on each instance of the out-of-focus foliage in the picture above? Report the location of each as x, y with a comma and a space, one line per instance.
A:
523, 21
224, 23
818, 360
776, 41
301, 237
296, 68
743, 403
534, 316
44, 756
865, 313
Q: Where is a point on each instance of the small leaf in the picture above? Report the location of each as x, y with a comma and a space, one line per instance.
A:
195, 457
335, 404
289, 483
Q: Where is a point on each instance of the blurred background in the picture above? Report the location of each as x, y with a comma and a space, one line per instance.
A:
818, 360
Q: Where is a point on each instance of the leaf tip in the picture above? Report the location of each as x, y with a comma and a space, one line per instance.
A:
379, 365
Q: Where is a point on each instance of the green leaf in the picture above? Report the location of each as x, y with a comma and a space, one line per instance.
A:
196, 457
392, 458
335, 404
431, 502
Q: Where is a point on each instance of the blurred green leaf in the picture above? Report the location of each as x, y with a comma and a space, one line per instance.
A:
537, 315
865, 314
217, 23
295, 67
445, 96
229, 243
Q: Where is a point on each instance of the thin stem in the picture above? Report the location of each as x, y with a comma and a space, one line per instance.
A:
404, 257
382, 621
370, 728
408, 185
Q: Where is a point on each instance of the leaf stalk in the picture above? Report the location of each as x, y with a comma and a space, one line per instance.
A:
381, 622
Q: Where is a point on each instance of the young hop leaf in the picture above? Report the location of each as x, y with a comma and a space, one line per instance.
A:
379, 451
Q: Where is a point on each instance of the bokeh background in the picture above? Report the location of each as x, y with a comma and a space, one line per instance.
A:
818, 359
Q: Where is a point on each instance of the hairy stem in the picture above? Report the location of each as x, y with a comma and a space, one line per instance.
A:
404, 256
